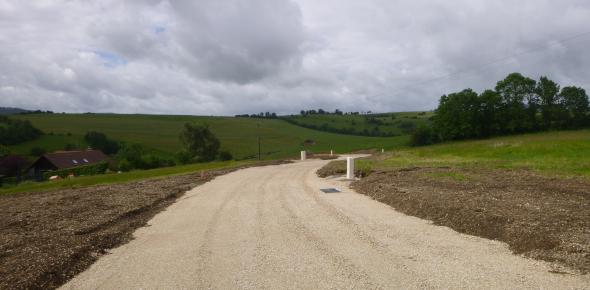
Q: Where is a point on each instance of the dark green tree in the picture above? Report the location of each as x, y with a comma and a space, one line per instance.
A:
422, 136
575, 103
457, 116
548, 92
490, 106
200, 142
514, 90
99, 141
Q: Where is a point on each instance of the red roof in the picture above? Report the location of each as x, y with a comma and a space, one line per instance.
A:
69, 159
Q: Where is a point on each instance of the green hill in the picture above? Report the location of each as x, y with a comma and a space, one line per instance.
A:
159, 133
565, 153
386, 124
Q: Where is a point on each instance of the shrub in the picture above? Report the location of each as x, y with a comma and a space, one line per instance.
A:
183, 157
124, 165
99, 168
100, 141
225, 155
200, 142
422, 136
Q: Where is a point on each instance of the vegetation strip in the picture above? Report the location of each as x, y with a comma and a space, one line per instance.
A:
50, 236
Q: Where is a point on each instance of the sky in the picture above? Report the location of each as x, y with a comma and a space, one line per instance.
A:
227, 57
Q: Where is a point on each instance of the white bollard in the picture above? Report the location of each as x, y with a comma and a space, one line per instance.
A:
331, 153
349, 168
382, 150
303, 155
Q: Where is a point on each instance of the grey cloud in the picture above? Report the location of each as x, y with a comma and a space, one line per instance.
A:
235, 56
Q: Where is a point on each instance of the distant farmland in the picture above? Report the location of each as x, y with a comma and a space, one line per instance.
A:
159, 134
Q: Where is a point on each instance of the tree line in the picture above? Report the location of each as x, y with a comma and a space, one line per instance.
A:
14, 132
517, 104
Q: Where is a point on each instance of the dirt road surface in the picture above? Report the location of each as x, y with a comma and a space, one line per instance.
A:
272, 228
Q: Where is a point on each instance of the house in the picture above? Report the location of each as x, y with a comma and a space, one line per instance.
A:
13, 165
66, 159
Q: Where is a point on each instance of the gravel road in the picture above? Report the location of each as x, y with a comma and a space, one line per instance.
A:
270, 227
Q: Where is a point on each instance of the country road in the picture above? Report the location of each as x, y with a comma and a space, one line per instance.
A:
271, 227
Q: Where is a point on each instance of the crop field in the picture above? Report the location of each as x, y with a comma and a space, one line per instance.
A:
387, 124
159, 134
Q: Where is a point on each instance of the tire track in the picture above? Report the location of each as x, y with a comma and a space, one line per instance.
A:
298, 228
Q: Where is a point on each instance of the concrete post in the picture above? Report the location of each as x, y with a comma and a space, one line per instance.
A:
382, 150
303, 155
349, 168
331, 152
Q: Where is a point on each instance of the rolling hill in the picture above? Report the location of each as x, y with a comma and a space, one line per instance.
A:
159, 133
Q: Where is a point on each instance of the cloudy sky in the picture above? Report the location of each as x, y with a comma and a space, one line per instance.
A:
225, 57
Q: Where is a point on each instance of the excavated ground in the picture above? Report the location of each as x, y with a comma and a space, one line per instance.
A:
49, 237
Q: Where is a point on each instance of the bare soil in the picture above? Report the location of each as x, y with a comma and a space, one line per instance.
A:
546, 218
49, 237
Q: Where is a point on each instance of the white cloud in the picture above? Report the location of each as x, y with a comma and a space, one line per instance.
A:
236, 56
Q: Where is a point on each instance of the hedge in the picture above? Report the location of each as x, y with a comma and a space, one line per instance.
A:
98, 168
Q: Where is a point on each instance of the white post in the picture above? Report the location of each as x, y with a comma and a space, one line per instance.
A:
331, 152
382, 150
349, 168
303, 156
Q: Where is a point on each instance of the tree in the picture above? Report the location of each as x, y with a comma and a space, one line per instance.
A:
514, 90
422, 136
575, 103
490, 104
100, 141
457, 116
13, 132
200, 142
548, 92
131, 156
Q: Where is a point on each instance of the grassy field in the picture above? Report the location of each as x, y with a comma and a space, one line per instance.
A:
114, 178
159, 134
391, 124
565, 153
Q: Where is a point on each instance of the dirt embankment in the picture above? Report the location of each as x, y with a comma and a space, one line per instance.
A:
541, 217
48, 237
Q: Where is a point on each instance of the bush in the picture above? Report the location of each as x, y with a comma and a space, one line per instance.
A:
200, 142
100, 141
99, 168
124, 165
422, 136
225, 155
16, 131
183, 157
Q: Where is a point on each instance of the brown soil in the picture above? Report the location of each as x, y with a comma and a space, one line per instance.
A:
542, 217
49, 237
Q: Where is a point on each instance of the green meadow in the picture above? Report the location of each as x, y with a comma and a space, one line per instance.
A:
113, 178
159, 134
562, 153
